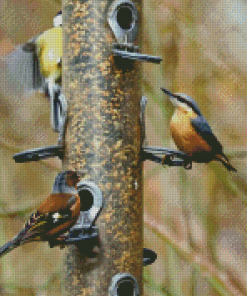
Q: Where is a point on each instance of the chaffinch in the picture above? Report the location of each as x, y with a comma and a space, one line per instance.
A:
55, 216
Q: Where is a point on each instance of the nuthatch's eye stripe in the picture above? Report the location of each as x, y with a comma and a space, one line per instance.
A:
181, 99
186, 99
175, 96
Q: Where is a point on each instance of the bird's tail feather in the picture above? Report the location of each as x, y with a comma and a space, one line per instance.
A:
224, 160
18, 240
9, 246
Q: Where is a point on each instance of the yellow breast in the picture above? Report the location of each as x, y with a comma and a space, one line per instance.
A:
49, 50
184, 135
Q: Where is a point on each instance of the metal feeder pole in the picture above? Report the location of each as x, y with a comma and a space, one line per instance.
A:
103, 136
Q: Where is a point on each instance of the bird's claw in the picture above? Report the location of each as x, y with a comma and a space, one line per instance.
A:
187, 165
58, 241
167, 159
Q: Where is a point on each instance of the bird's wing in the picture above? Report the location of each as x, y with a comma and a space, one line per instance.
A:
39, 224
202, 127
35, 226
19, 73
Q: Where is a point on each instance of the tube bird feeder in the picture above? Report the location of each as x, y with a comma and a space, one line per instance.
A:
103, 136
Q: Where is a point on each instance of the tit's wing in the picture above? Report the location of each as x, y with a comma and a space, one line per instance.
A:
202, 127
19, 72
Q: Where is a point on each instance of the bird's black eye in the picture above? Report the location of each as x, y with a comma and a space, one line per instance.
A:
76, 177
73, 175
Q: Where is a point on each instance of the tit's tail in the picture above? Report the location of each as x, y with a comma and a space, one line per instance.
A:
224, 160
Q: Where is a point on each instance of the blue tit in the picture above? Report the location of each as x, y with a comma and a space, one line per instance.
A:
48, 49
48, 46
36, 65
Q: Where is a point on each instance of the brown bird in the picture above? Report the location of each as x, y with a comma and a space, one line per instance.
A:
55, 216
192, 133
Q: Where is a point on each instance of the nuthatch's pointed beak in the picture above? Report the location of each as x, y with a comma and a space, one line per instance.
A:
172, 97
168, 92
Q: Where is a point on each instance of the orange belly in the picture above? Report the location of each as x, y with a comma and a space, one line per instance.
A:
185, 136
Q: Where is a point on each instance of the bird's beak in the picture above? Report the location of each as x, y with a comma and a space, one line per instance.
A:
79, 175
171, 96
167, 92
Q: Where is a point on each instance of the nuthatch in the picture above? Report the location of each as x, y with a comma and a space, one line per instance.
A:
192, 133
55, 216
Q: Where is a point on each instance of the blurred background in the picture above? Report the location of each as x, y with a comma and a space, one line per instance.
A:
194, 219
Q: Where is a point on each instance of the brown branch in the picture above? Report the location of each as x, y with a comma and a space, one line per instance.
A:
217, 278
